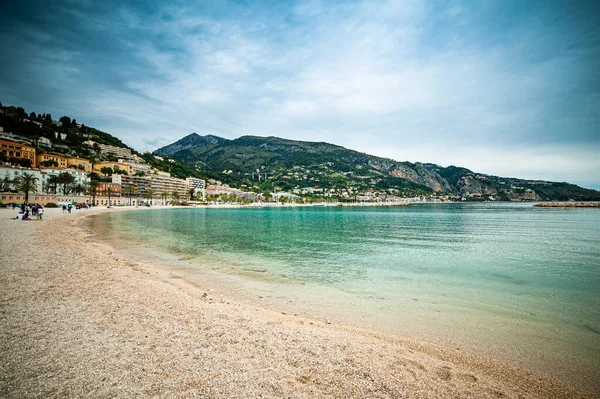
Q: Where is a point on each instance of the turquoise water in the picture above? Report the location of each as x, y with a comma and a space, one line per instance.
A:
519, 281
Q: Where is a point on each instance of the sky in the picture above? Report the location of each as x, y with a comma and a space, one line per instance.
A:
509, 88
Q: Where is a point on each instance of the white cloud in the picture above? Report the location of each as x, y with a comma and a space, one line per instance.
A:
397, 79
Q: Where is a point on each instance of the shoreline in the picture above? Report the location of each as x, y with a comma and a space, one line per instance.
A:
146, 330
578, 204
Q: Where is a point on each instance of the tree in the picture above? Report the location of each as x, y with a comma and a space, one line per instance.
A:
109, 191
26, 183
49, 162
79, 189
175, 196
65, 121
6, 184
49, 117
106, 171
32, 114
94, 184
163, 196
149, 194
51, 185
130, 190
21, 112
191, 192
119, 171
66, 179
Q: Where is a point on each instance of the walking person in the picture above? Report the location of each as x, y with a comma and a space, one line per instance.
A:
40, 212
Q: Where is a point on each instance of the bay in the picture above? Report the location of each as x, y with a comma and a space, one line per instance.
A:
519, 283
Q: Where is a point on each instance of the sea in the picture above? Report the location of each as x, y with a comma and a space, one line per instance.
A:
517, 283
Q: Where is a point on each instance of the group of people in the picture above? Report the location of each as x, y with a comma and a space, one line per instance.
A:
35, 210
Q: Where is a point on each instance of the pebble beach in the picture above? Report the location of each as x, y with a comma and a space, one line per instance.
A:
77, 319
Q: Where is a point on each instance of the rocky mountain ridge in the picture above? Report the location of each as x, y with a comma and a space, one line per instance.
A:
320, 163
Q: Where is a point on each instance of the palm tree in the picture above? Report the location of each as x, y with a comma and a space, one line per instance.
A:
164, 195
25, 183
94, 184
149, 194
129, 190
6, 184
109, 191
79, 189
175, 196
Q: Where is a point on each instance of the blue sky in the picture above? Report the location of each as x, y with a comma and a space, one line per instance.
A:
510, 88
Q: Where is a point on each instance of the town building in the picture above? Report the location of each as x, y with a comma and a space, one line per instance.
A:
104, 188
140, 184
44, 142
44, 158
18, 149
197, 185
167, 184
18, 198
12, 173
137, 166
79, 177
118, 165
113, 201
118, 152
80, 163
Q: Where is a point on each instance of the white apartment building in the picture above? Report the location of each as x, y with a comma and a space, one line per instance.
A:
79, 177
14, 172
197, 184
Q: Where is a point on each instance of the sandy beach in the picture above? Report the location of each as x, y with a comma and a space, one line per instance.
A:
79, 320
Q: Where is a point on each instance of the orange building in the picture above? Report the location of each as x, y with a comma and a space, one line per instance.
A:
62, 162
80, 163
19, 150
122, 166
102, 189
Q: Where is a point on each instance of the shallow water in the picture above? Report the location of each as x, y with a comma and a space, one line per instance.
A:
519, 282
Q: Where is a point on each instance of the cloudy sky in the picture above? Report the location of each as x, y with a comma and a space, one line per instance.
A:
504, 87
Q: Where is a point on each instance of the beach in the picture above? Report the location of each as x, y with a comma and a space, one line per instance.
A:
77, 319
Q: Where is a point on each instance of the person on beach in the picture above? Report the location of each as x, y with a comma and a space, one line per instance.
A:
69, 207
40, 212
64, 208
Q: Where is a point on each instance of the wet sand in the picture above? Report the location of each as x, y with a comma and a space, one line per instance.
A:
79, 320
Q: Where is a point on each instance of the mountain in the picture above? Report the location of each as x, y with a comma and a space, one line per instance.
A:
247, 155
190, 141
290, 164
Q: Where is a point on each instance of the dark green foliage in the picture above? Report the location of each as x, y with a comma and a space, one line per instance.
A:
26, 163
48, 163
66, 180
107, 171
566, 192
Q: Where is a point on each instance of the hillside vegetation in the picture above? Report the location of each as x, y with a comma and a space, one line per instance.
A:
272, 162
